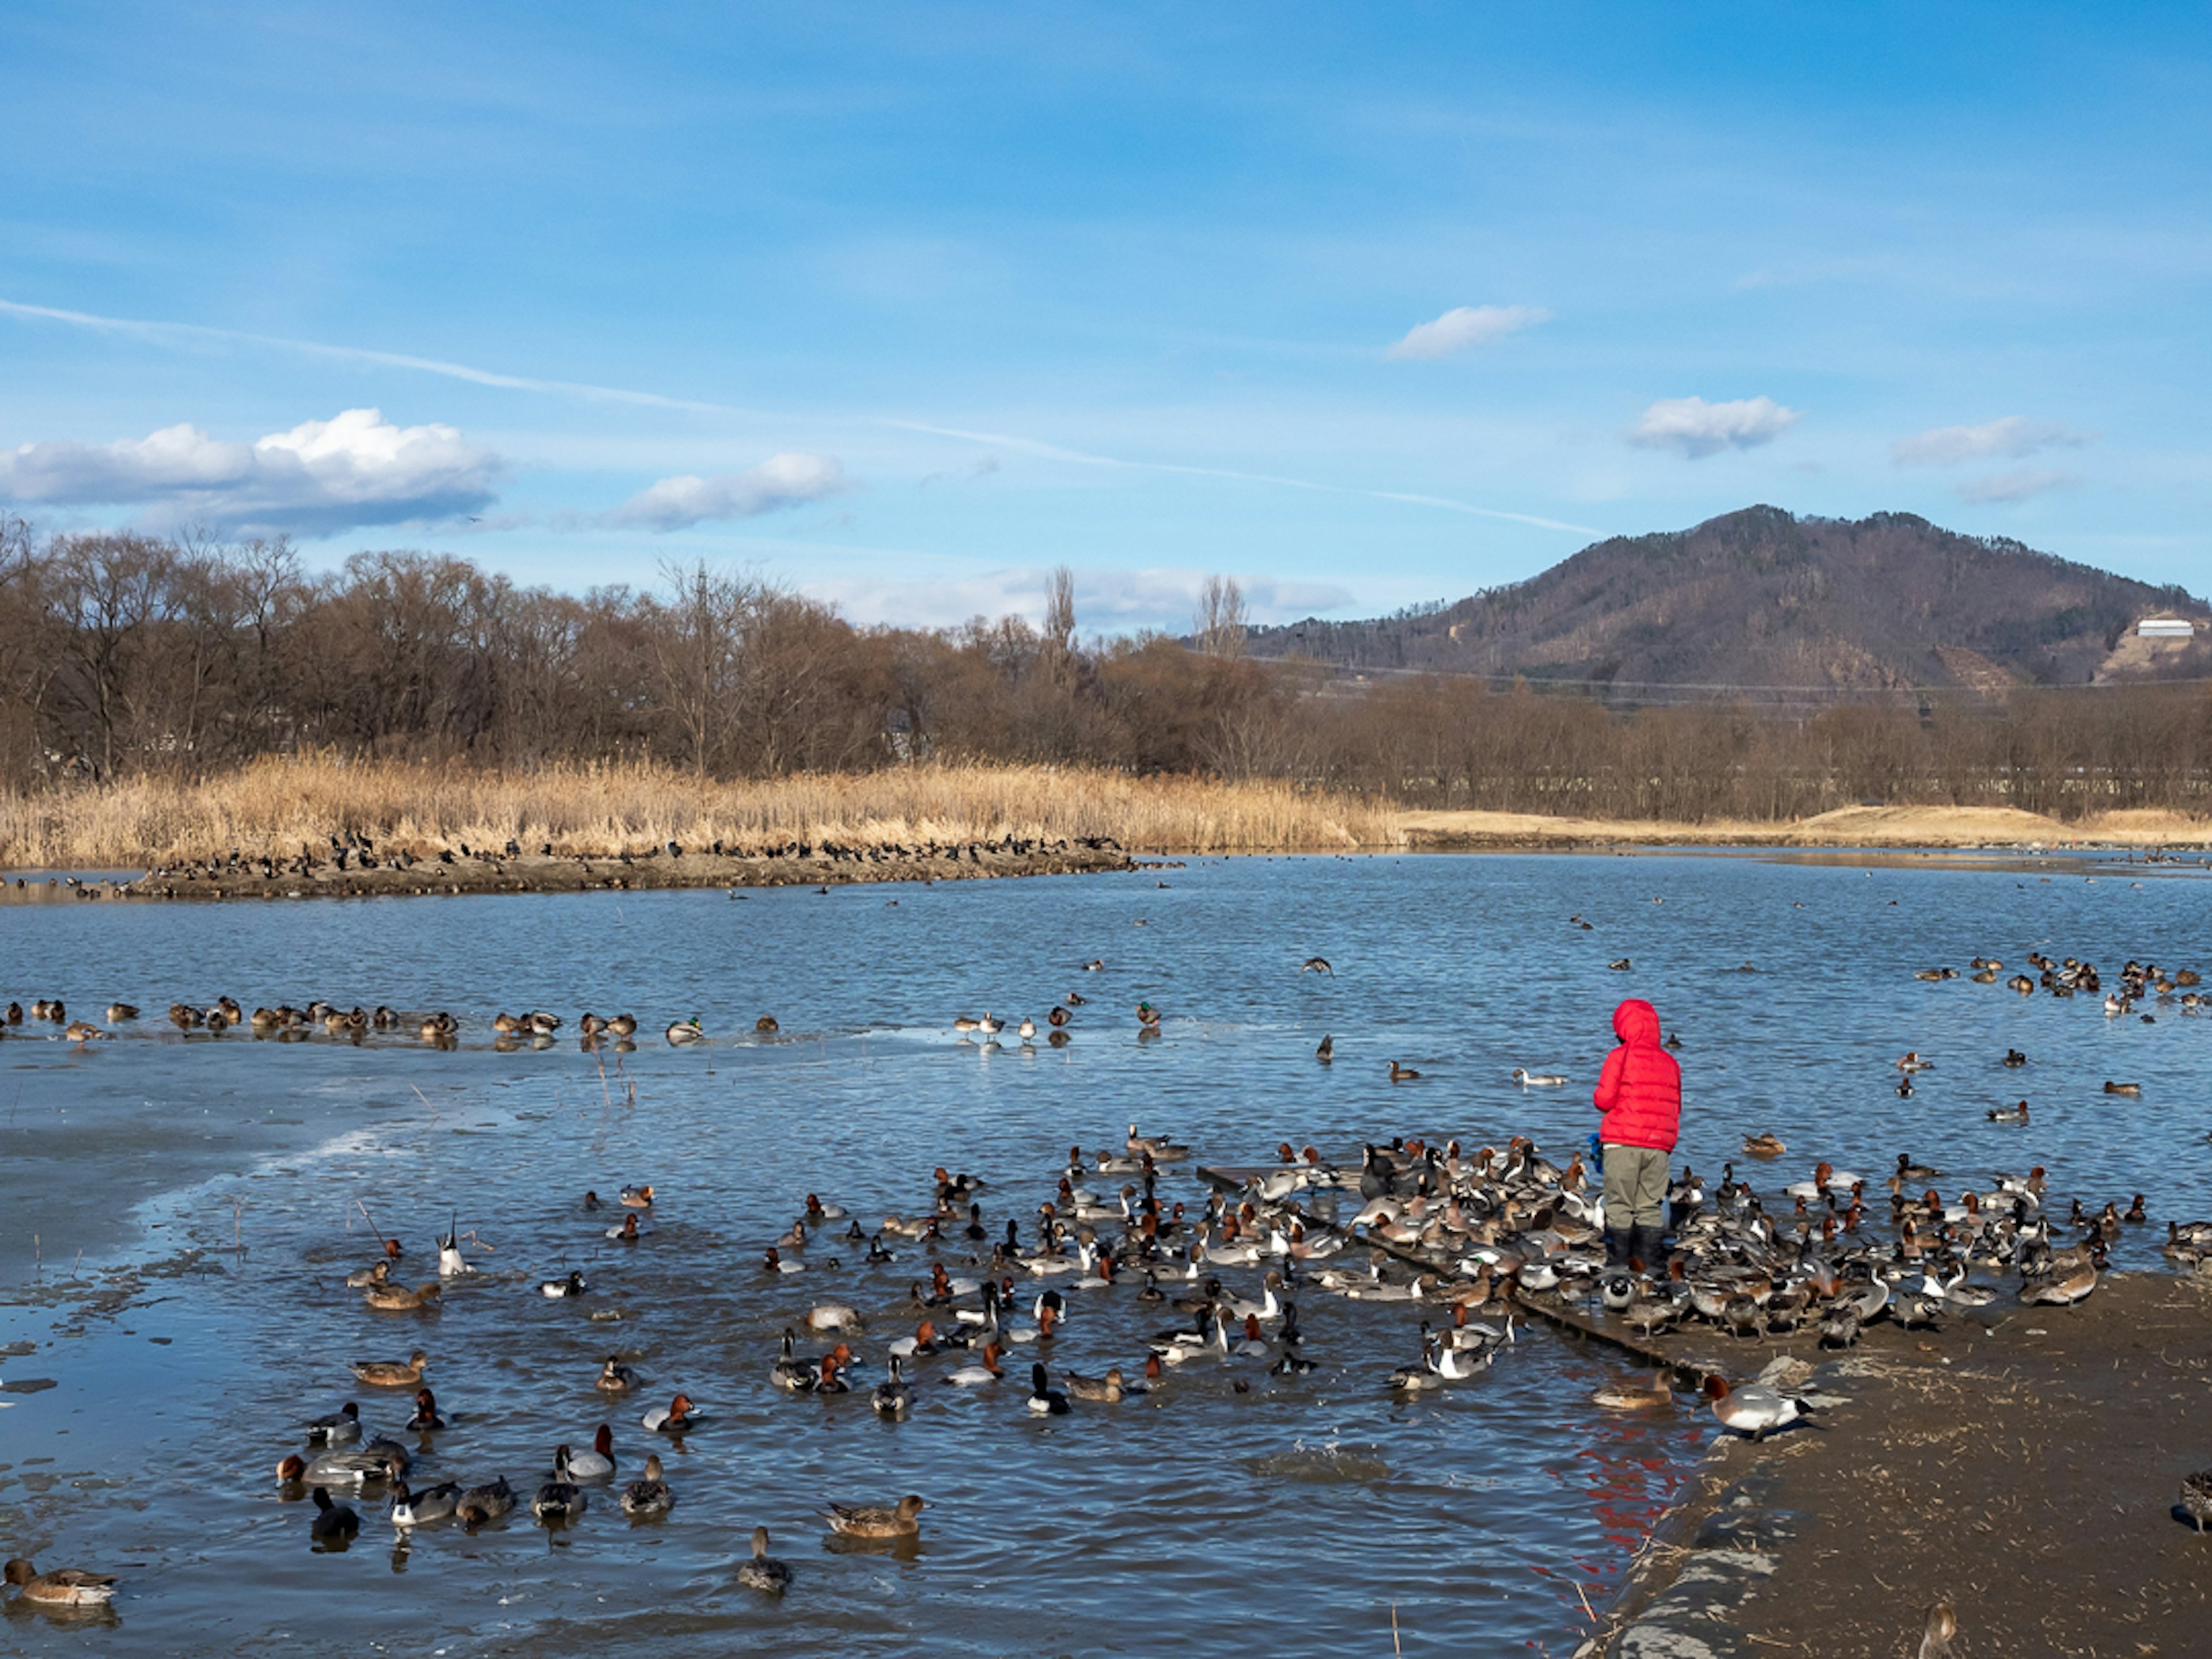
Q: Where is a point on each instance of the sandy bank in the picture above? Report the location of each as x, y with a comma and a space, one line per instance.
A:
2025, 1464
1850, 826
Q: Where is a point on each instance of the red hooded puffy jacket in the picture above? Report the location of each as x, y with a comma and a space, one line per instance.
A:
1640, 1091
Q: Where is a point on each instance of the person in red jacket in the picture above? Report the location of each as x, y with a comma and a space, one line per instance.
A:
1640, 1092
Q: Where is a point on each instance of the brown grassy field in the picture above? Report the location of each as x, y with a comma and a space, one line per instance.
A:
603, 810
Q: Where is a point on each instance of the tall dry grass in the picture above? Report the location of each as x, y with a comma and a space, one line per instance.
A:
276, 805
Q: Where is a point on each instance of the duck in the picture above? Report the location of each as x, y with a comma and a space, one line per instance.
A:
629, 1232
1627, 1397
650, 1493
82, 1030
480, 1505
1326, 1051
1765, 1144
1417, 1379
420, 1509
772, 1262
558, 1500
676, 1417
380, 1460
1026, 1029
624, 1025
2007, 1113
922, 1342
687, 1030
392, 1373
2123, 1088
2195, 1503
833, 1316
1528, 1079
1107, 1390
339, 1428
64, 1586
387, 1297
1909, 1170
2013, 1058
767, 1025
892, 1398
1045, 1400
426, 1418
572, 1285
1402, 1073
764, 1572
334, 1522
1910, 1061
877, 1520
119, 1012
614, 1377
988, 1025
1058, 1017
596, 1464
978, 1374
1753, 1409
639, 1197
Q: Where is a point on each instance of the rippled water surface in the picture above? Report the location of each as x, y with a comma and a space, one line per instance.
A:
1290, 1517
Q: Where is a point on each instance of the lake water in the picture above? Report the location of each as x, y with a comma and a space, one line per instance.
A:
1291, 1518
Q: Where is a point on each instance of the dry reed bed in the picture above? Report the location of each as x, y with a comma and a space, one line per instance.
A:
277, 805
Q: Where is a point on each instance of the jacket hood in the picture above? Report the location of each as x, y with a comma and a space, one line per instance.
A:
1637, 1021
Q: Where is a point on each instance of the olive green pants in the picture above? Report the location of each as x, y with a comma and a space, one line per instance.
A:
1635, 1186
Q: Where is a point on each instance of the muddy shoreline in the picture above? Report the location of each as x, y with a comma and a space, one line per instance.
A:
2023, 1462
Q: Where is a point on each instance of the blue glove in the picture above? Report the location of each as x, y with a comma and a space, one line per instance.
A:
1597, 1151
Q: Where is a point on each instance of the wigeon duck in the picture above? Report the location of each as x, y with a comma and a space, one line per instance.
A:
876, 1521
64, 1586
639, 1197
764, 1572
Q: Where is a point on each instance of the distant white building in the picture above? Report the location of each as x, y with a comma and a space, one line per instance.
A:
2166, 628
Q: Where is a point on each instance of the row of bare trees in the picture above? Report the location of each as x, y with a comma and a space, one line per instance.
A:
123, 652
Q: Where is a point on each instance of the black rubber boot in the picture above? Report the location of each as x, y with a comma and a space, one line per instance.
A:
1648, 1245
1617, 1240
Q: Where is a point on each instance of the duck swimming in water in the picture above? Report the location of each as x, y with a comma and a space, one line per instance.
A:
596, 1464
572, 1285
480, 1505
392, 1373
64, 1586
649, 1494
1764, 1145
1045, 1400
892, 1397
420, 1509
1402, 1073
340, 1428
676, 1417
876, 1521
1528, 1079
426, 1418
764, 1572
687, 1032
615, 1378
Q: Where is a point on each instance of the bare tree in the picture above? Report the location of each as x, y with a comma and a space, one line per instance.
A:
1221, 619
1060, 625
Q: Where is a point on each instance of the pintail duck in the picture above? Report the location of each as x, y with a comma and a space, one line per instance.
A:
892, 1397
988, 1025
425, 1417
334, 1522
64, 1586
420, 1509
650, 1493
480, 1505
340, 1428
1162, 1150
687, 1030
764, 1572
392, 1373
398, 1298
1528, 1079
876, 1521
557, 1501
615, 1378
1326, 1048
1754, 1409
678, 1416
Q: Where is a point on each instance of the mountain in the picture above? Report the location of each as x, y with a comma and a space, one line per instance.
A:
1761, 599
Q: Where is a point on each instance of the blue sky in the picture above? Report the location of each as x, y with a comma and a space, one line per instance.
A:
905, 305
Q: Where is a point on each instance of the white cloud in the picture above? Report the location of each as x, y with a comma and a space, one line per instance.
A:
2014, 486
1695, 428
2013, 436
779, 482
321, 477
1465, 326
1106, 601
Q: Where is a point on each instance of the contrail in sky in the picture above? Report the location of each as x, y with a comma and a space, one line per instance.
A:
183, 333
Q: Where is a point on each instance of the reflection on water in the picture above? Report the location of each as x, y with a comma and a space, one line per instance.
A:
1289, 1515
